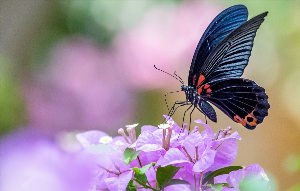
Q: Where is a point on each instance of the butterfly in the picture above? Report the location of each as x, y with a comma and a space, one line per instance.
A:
217, 66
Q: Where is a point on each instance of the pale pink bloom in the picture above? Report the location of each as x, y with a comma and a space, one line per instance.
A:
167, 37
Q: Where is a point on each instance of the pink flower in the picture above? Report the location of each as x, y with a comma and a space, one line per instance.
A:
30, 162
190, 157
112, 172
195, 153
167, 37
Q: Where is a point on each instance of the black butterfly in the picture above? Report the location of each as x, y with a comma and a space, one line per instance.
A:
218, 63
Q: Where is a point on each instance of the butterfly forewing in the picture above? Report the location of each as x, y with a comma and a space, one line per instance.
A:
231, 56
222, 25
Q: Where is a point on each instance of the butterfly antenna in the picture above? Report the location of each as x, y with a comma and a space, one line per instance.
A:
180, 80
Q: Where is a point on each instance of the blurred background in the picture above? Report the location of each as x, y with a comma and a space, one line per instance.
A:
79, 65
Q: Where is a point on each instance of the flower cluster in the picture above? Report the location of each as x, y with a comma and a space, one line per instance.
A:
169, 157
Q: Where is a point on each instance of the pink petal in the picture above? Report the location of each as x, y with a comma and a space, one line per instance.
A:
205, 161
90, 137
148, 142
172, 157
120, 182
148, 128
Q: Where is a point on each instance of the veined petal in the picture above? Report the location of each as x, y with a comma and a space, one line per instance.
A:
205, 161
207, 132
149, 142
226, 153
172, 157
119, 182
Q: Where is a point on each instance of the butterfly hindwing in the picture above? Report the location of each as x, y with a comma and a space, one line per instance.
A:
222, 25
242, 100
230, 57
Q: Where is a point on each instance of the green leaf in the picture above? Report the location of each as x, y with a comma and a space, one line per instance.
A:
141, 177
130, 155
131, 186
140, 172
145, 168
176, 181
165, 174
225, 170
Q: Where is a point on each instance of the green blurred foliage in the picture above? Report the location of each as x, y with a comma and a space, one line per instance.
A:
292, 163
295, 188
11, 103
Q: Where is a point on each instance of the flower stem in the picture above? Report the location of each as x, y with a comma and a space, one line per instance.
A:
200, 181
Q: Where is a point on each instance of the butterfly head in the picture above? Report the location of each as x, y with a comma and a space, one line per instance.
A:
190, 92
186, 88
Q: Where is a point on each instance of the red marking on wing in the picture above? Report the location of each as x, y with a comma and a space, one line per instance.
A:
204, 90
206, 86
200, 80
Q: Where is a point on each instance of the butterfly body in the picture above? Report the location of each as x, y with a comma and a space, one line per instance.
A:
219, 61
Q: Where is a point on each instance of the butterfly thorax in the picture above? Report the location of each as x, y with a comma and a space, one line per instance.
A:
191, 94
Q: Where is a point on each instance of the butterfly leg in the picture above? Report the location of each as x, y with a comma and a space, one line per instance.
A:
176, 105
185, 114
191, 118
166, 98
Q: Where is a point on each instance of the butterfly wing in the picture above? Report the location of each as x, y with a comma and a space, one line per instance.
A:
222, 25
230, 57
242, 100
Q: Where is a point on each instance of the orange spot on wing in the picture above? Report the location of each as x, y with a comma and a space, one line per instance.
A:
248, 119
253, 121
238, 119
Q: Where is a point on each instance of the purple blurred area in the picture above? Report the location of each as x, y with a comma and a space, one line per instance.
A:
82, 87
79, 65
32, 162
